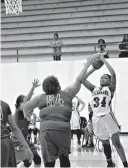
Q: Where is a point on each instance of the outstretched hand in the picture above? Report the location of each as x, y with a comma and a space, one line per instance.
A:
35, 83
96, 56
102, 57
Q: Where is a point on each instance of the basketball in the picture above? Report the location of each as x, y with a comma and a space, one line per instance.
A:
97, 64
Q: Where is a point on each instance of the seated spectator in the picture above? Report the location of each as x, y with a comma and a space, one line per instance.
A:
124, 46
101, 47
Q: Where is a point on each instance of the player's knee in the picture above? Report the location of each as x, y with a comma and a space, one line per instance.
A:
116, 141
37, 159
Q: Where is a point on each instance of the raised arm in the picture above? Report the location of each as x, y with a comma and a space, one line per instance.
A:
35, 84
86, 83
29, 106
113, 74
73, 89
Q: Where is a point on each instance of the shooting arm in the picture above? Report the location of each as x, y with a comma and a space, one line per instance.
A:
113, 74
75, 87
86, 83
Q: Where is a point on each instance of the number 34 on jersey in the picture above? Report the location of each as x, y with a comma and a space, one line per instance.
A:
54, 100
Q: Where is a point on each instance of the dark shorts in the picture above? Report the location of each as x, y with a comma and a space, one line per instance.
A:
35, 131
55, 143
29, 131
7, 153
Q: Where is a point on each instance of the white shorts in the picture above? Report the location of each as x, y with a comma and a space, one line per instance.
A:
75, 121
106, 126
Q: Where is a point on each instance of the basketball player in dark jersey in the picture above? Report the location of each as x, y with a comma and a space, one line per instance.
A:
103, 118
55, 113
23, 126
7, 149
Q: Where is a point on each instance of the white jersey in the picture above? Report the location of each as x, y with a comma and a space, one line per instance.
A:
75, 118
101, 101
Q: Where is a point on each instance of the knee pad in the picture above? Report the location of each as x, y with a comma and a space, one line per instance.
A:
26, 163
37, 159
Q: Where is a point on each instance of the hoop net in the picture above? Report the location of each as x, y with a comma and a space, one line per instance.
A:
13, 6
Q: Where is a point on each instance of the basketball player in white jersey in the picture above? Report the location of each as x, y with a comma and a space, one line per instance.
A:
35, 130
105, 123
75, 118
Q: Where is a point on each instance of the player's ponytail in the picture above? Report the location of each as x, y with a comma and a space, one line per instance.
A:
19, 100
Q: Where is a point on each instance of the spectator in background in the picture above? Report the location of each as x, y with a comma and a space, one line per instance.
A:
124, 46
101, 47
56, 44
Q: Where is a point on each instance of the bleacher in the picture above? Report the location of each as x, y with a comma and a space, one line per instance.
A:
79, 23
